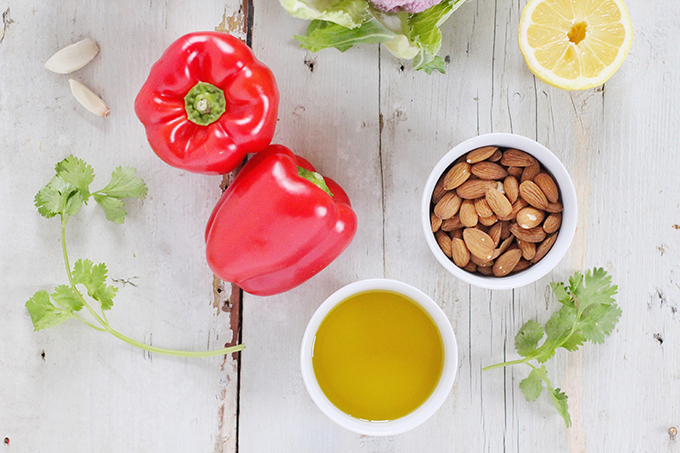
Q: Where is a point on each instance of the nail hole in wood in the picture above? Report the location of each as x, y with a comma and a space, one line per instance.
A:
42, 354
658, 337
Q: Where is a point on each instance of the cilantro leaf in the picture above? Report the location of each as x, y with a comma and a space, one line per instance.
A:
105, 294
561, 293
574, 341
596, 291
58, 197
124, 184
600, 322
588, 313
559, 399
528, 337
561, 322
94, 278
77, 172
43, 312
114, 208
67, 298
532, 386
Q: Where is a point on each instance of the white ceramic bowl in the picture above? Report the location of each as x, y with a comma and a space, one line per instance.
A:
422, 413
569, 215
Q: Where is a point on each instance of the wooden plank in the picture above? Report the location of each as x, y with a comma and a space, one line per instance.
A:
71, 388
329, 115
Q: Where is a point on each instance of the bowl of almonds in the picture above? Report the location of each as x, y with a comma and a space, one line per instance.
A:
499, 211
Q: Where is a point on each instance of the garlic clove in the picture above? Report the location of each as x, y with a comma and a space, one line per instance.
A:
73, 57
88, 99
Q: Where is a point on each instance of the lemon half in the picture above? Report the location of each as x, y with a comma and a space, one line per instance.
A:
575, 44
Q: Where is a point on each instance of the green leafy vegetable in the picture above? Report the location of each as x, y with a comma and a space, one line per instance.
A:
346, 23
322, 35
63, 196
347, 13
588, 313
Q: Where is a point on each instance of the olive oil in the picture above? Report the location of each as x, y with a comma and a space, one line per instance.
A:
378, 355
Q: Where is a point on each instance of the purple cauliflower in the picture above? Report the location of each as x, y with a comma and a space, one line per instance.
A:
409, 6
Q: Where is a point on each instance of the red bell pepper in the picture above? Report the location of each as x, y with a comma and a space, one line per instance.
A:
207, 103
276, 226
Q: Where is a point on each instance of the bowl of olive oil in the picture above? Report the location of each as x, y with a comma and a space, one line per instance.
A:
379, 357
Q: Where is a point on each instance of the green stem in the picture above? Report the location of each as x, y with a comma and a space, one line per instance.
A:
107, 328
70, 275
500, 365
146, 347
83, 320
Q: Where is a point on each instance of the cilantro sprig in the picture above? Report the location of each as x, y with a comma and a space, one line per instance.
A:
588, 313
64, 196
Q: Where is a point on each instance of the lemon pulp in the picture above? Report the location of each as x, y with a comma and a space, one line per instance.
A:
575, 44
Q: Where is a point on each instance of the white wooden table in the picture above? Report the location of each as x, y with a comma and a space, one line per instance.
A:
377, 129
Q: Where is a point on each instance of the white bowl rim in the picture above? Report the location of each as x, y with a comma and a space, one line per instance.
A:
569, 215
422, 413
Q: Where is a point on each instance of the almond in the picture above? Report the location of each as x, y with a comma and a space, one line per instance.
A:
456, 234
515, 171
529, 217
471, 267
533, 195
488, 221
544, 248
552, 223
436, 223
495, 233
480, 262
498, 203
468, 214
438, 191
459, 253
496, 156
448, 206
444, 242
548, 186
479, 243
482, 207
532, 235
488, 170
511, 187
480, 154
482, 227
451, 224
457, 175
523, 264
554, 207
475, 188
505, 230
505, 245
488, 271
516, 207
530, 172
506, 262
528, 249
516, 158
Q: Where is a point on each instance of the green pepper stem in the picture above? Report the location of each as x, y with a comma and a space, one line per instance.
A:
204, 104
315, 178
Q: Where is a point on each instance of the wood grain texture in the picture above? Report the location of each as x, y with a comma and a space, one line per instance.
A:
71, 388
617, 141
